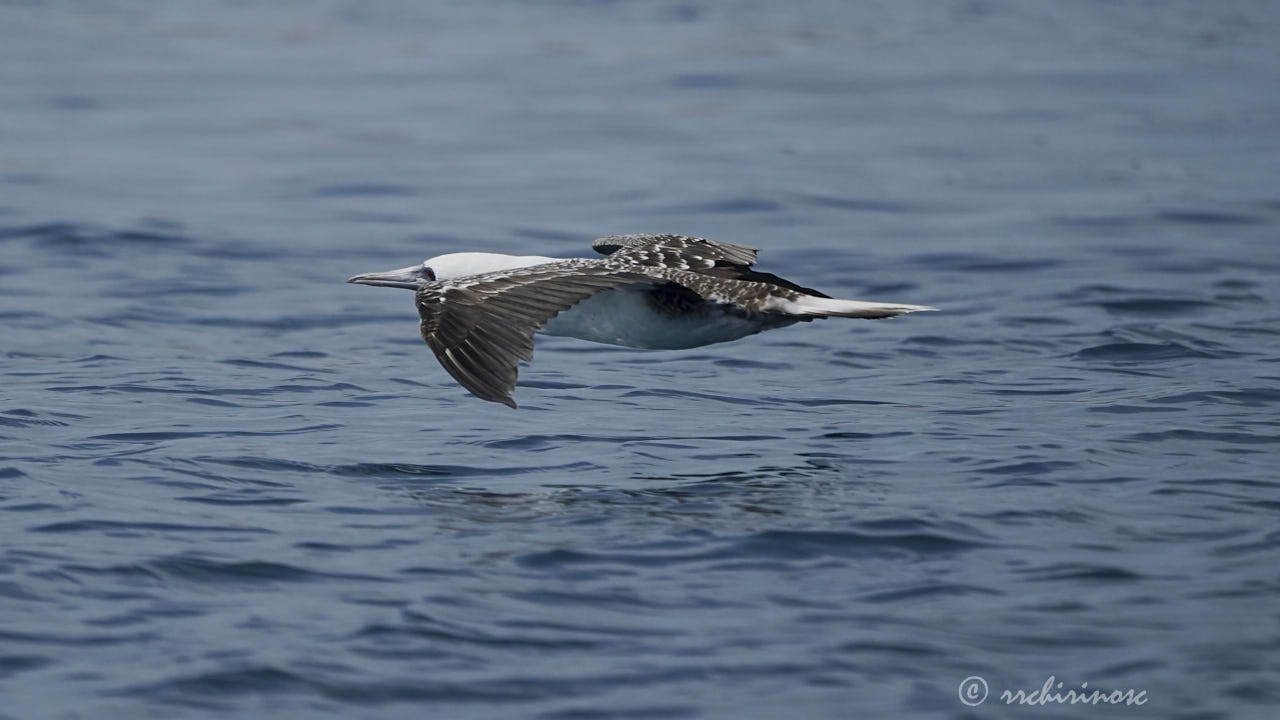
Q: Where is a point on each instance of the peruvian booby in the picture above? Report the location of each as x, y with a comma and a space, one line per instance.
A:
480, 311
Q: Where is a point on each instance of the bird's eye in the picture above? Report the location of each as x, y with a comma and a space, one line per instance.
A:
431, 275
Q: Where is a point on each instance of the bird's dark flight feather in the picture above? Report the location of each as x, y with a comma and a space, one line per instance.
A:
481, 327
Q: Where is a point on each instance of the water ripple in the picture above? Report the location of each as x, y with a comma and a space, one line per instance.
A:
118, 526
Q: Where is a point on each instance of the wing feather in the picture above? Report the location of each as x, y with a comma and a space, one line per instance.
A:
700, 255
481, 327
676, 251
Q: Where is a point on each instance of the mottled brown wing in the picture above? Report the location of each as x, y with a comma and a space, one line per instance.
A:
481, 327
680, 252
674, 251
747, 296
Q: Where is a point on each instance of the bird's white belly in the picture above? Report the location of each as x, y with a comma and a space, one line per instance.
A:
626, 317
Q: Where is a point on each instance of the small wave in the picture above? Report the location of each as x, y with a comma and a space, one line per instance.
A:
422, 626
1081, 572
822, 402
778, 545
1160, 306
153, 436
237, 501
850, 435
978, 262
690, 394
13, 664
80, 237
727, 206
861, 204
215, 689
1263, 544
122, 526
371, 189
52, 637
391, 470
1247, 397
927, 590
266, 365
744, 364
1207, 217
26, 418
1097, 222
1034, 468
1140, 352
207, 570
1116, 408
1216, 438
705, 81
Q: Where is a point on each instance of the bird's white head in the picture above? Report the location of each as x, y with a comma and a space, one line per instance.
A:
448, 267
465, 264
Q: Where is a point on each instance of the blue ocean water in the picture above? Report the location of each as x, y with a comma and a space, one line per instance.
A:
233, 486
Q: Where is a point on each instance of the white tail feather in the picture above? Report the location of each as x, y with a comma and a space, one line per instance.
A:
809, 306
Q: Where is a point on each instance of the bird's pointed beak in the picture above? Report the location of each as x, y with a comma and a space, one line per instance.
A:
412, 278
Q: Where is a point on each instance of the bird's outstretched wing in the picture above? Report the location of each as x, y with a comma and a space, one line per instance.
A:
482, 326
674, 251
699, 255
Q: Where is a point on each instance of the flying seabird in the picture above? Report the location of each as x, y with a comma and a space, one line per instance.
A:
480, 310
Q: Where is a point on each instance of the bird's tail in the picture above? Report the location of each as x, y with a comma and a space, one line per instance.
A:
809, 306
